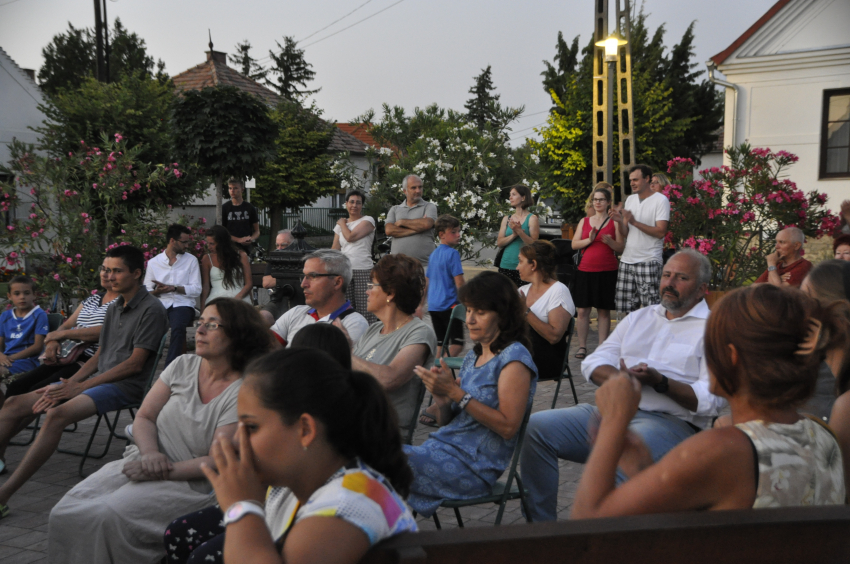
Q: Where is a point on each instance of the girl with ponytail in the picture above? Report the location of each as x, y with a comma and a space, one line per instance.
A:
763, 345
326, 440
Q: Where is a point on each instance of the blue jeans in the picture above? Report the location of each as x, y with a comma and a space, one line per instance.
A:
179, 318
564, 434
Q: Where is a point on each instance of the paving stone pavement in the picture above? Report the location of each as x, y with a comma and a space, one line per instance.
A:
23, 534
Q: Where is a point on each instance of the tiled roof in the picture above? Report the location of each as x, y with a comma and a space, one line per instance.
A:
360, 131
215, 72
723, 55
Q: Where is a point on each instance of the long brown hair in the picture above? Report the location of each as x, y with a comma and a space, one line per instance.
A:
228, 256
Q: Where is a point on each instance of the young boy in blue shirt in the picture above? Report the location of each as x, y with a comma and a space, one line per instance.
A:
23, 326
445, 276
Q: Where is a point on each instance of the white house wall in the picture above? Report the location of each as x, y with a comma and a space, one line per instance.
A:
781, 73
19, 100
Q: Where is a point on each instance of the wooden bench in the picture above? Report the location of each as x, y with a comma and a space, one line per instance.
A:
819, 535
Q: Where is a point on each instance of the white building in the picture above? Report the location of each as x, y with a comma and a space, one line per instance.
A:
788, 88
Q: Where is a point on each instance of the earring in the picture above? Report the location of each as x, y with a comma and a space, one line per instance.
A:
305, 448
388, 300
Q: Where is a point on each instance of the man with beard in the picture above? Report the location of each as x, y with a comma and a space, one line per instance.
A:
661, 346
786, 265
411, 223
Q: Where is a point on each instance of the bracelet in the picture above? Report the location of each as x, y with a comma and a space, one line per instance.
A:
465, 401
242, 508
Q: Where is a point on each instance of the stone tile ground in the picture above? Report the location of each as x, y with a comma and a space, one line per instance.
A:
23, 534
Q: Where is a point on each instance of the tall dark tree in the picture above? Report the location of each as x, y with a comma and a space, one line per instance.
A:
247, 64
482, 108
556, 75
71, 57
290, 71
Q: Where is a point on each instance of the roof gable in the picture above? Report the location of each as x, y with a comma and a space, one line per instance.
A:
215, 72
793, 26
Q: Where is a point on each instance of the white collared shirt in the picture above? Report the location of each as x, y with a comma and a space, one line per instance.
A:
674, 347
185, 272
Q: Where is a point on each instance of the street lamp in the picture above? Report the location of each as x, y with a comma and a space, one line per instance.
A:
612, 52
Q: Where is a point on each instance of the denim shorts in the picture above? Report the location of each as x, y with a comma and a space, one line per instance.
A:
107, 397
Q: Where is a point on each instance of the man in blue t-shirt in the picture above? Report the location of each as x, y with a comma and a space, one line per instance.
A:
445, 276
24, 327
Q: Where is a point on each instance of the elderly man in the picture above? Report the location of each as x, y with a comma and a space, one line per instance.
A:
276, 306
174, 276
239, 217
326, 276
411, 223
643, 221
660, 345
786, 265
113, 378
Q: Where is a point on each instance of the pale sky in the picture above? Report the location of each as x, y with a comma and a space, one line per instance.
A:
415, 53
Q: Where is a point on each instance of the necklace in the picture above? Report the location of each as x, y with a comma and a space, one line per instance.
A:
402, 324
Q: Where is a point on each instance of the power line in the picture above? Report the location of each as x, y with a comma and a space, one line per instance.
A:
523, 116
335, 21
355, 23
7, 3
526, 129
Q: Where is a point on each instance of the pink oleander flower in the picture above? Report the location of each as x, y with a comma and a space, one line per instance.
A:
56, 277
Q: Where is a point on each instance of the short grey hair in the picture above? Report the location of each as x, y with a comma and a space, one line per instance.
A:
796, 234
703, 264
287, 232
404, 182
335, 263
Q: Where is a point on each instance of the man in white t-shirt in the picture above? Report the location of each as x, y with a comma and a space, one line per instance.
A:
326, 276
643, 221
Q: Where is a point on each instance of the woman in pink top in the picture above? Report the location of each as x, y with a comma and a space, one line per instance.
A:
596, 277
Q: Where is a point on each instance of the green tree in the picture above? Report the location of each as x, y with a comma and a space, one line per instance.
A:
290, 70
301, 169
555, 77
673, 114
224, 131
247, 64
483, 107
70, 58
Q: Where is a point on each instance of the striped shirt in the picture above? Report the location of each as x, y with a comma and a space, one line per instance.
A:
92, 315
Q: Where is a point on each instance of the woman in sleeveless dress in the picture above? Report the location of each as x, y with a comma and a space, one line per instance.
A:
596, 275
763, 346
518, 229
225, 270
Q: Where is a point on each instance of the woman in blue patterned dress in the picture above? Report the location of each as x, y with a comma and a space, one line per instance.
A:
482, 412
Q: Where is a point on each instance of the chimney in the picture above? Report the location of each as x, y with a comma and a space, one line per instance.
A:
30, 73
217, 56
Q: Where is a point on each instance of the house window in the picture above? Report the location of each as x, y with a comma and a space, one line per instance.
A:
835, 136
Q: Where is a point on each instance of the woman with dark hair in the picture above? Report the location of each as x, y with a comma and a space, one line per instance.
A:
326, 440
518, 229
841, 247
325, 337
763, 346
225, 270
482, 411
398, 341
549, 307
354, 237
596, 276
118, 513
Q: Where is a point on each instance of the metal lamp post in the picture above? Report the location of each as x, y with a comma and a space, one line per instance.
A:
612, 52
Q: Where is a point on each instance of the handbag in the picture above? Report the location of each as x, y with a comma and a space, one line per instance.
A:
497, 262
580, 253
70, 350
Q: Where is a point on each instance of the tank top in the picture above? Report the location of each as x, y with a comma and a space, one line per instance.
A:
510, 258
598, 257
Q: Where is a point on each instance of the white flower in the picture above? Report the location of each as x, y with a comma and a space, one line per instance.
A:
535, 158
385, 151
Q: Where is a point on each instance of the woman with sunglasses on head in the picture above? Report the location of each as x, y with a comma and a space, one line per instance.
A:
118, 513
354, 237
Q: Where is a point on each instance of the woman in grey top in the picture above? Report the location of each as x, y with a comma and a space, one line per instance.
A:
399, 341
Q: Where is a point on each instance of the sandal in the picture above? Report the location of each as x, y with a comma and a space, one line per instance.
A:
4, 510
427, 419
581, 355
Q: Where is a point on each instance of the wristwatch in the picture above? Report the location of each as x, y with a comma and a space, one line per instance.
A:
465, 401
662, 386
241, 509
771, 268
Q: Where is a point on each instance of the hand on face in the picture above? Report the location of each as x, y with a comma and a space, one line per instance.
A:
234, 477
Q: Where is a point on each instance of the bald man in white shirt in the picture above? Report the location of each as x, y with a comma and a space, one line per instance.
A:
662, 347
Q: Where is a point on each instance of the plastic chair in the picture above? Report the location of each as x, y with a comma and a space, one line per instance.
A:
566, 367
502, 492
113, 425
54, 320
453, 362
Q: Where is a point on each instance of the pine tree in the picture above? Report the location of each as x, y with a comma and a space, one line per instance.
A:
290, 71
556, 75
246, 64
482, 108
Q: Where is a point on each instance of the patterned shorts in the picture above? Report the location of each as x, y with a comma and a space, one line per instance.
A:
637, 286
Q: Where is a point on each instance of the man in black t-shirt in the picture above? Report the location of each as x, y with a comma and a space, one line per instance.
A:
240, 218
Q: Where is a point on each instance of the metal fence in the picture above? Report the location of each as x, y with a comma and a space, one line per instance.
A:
314, 219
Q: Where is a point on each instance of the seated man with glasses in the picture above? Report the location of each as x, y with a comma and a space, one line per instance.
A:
174, 276
325, 279
113, 378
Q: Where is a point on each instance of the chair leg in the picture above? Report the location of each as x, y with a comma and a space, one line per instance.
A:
570, 376
34, 426
437, 522
522, 499
557, 391
458, 517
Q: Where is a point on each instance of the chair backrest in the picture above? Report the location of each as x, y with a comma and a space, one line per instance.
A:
517, 450
157, 357
54, 320
407, 437
458, 314
570, 328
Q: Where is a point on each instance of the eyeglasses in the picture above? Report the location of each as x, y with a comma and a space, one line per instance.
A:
313, 275
109, 271
208, 325
371, 285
